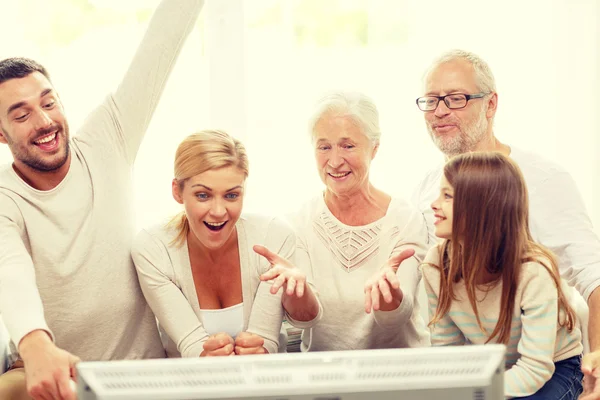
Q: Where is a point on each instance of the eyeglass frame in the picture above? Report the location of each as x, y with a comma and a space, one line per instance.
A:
439, 98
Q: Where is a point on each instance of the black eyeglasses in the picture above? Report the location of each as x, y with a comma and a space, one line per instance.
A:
453, 101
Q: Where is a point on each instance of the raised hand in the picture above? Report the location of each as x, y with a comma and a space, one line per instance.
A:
298, 299
382, 290
283, 274
249, 343
219, 344
48, 369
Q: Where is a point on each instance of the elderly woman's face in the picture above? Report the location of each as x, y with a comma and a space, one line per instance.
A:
343, 154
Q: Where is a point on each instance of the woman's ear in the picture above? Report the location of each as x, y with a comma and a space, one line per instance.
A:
374, 152
177, 195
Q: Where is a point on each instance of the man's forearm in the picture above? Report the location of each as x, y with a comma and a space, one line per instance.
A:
594, 320
139, 93
32, 341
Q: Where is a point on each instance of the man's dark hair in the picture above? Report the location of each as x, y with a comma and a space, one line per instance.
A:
18, 67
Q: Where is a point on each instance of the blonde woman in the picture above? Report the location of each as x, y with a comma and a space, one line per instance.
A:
212, 275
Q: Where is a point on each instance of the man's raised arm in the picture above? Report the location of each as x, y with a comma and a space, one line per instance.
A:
134, 102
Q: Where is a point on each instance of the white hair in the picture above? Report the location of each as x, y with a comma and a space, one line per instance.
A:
483, 73
354, 105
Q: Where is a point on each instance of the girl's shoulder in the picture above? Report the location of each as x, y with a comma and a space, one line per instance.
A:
534, 266
434, 255
535, 274
431, 262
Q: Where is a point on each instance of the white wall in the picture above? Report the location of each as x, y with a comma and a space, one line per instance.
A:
259, 85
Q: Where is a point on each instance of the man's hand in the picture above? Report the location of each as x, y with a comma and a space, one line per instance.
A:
249, 343
283, 273
382, 290
220, 344
590, 366
48, 369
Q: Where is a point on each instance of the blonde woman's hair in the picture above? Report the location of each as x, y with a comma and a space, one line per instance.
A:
200, 152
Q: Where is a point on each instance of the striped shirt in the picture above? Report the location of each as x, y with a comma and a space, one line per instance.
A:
537, 340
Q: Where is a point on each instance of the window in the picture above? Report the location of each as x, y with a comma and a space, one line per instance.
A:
259, 80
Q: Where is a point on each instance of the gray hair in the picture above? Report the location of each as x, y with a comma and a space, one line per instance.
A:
354, 105
483, 72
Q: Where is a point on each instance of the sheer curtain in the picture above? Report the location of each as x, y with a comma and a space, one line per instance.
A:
256, 67
544, 55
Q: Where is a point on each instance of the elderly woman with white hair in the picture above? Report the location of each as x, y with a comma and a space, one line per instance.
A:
352, 238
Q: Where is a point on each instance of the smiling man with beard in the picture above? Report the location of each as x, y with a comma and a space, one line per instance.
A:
33, 123
68, 287
459, 105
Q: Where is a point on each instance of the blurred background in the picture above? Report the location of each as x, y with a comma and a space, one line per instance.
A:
256, 67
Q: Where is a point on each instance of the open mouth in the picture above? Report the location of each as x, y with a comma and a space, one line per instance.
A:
215, 226
48, 142
439, 219
340, 175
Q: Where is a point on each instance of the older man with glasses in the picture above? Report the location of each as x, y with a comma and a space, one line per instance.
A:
459, 106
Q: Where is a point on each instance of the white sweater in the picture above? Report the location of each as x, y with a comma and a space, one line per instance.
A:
65, 263
339, 259
166, 278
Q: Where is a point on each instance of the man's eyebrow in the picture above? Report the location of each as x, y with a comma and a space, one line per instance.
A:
450, 91
15, 106
22, 103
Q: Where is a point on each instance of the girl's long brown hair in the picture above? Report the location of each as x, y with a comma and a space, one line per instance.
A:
490, 232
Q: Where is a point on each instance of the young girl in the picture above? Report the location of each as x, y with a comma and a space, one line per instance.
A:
489, 282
